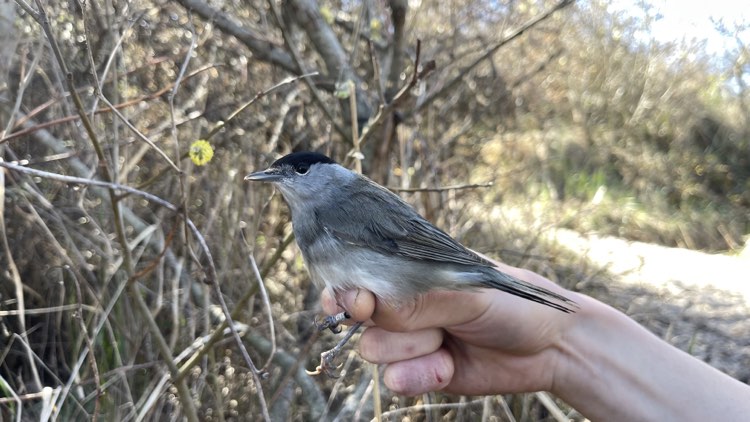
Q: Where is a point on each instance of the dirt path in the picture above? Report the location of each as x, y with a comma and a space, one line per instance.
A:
641, 263
696, 301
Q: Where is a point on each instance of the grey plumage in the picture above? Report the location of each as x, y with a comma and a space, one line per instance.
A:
354, 233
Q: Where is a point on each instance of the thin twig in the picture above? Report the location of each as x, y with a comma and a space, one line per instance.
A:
212, 275
294, 369
89, 55
27, 8
52, 309
52, 241
257, 96
488, 54
106, 174
138, 133
376, 76
178, 82
356, 152
376, 400
89, 344
155, 261
22, 85
284, 109
443, 188
238, 309
67, 119
254, 371
550, 405
259, 45
188, 406
111, 59
290, 46
267, 303
270, 262
89, 182
184, 196
311, 392
256, 377
362, 400
74, 372
386, 109
15, 276
339, 384
6, 387
426, 407
366, 36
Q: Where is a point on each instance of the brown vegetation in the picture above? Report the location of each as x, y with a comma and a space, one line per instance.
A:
113, 303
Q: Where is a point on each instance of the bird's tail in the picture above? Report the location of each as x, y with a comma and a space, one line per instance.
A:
526, 290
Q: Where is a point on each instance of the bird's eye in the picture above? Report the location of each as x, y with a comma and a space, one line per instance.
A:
303, 169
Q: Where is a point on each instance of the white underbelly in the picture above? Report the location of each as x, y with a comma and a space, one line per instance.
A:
338, 277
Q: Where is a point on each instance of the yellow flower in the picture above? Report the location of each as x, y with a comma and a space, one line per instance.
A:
201, 152
327, 15
375, 25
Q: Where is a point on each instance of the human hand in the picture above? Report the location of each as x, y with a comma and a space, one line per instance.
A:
464, 342
489, 342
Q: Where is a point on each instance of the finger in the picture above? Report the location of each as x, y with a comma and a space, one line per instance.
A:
380, 346
421, 375
426, 311
432, 310
359, 303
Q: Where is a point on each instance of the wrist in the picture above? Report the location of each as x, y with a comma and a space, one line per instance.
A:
610, 368
603, 365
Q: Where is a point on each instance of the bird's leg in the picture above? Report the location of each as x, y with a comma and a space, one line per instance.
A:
332, 322
326, 358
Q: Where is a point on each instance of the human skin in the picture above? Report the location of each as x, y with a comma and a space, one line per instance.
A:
488, 342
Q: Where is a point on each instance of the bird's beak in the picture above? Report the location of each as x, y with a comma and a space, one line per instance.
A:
268, 175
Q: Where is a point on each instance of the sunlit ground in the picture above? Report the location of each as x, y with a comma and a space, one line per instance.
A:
672, 268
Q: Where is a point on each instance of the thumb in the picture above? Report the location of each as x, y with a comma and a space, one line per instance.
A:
359, 303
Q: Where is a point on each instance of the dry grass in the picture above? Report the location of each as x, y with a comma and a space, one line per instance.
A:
122, 260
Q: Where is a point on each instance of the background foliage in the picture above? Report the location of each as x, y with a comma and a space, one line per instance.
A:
580, 120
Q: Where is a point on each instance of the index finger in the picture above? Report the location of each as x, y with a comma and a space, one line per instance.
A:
431, 310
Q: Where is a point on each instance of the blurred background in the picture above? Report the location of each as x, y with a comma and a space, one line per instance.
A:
604, 145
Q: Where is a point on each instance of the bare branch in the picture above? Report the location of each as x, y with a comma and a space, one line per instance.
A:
89, 344
387, 109
267, 303
425, 407
66, 119
486, 55
398, 16
17, 284
443, 188
307, 15
308, 81
140, 135
257, 96
262, 48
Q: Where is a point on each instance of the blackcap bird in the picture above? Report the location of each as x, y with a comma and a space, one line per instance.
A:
354, 233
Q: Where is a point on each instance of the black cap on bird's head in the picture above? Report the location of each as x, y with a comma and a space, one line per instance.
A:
303, 159
296, 162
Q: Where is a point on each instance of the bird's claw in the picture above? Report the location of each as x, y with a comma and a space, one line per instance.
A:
326, 364
332, 322
326, 358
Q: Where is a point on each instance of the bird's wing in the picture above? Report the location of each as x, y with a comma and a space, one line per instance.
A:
378, 219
